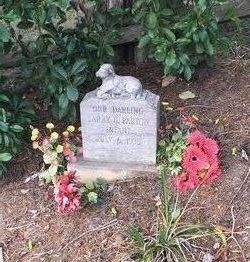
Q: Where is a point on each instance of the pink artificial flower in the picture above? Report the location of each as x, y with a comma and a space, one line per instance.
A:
194, 160
72, 158
197, 138
208, 145
211, 148
67, 193
185, 181
79, 150
214, 171
200, 162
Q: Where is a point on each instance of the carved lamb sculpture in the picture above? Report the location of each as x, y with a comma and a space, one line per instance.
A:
114, 85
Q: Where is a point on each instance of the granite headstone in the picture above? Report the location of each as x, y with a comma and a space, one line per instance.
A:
119, 121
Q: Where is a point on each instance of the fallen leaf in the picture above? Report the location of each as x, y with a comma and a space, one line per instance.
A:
24, 191
167, 80
217, 121
114, 212
195, 117
234, 151
165, 103
186, 95
30, 245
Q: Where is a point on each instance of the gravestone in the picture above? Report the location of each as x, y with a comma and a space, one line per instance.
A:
119, 127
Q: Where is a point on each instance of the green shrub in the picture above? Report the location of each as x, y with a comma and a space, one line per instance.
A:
15, 115
59, 58
180, 34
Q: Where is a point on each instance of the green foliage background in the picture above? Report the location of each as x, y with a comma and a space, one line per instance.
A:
180, 34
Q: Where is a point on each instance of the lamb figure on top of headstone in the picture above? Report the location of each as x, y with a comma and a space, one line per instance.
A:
114, 85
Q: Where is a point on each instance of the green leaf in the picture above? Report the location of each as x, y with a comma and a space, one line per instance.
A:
72, 93
90, 185
202, 4
3, 126
16, 128
160, 55
63, 101
78, 66
71, 45
170, 58
4, 98
59, 72
187, 72
203, 35
4, 157
169, 34
137, 5
166, 12
199, 48
79, 80
196, 37
144, 41
92, 197
4, 34
210, 49
25, 24
151, 20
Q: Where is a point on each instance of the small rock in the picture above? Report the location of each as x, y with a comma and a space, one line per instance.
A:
216, 245
208, 258
244, 154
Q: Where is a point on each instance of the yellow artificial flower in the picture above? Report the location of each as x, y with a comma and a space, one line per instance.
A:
80, 129
35, 132
50, 126
65, 133
59, 149
54, 136
34, 137
71, 129
35, 145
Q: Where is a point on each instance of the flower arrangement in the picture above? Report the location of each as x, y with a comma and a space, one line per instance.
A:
193, 158
200, 161
60, 152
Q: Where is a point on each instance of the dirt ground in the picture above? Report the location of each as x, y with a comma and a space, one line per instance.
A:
32, 230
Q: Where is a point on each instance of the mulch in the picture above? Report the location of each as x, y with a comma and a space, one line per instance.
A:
32, 230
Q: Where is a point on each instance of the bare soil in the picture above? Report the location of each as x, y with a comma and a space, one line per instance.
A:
32, 230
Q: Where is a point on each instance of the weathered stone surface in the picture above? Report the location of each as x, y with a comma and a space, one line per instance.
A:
120, 129
88, 170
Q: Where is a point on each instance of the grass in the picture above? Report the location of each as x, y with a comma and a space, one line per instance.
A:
173, 240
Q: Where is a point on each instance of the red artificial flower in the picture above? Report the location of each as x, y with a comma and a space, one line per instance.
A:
194, 160
67, 193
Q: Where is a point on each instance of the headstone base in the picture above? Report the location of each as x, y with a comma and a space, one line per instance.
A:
90, 170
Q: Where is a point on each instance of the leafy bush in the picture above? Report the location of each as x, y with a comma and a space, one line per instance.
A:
15, 115
180, 34
170, 151
59, 57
